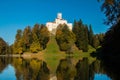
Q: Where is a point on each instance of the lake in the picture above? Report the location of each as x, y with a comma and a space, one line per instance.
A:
52, 68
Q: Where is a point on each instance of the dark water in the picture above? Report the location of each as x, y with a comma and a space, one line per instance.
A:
68, 68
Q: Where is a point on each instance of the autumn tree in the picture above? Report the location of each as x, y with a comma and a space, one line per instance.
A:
65, 38
44, 36
31, 39
27, 38
18, 44
4, 47
35, 46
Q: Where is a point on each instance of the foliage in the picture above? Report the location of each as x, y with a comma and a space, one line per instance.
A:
35, 47
65, 70
27, 38
82, 67
111, 40
111, 9
18, 45
4, 48
90, 35
31, 40
44, 36
95, 41
31, 69
81, 32
65, 38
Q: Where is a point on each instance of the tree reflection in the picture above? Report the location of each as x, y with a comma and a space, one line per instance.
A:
4, 63
68, 69
65, 70
112, 69
82, 68
31, 69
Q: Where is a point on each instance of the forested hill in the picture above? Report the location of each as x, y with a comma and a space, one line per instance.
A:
36, 38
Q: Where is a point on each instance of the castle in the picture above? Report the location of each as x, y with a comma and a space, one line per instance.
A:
52, 26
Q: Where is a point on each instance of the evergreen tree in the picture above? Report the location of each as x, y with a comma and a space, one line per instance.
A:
96, 42
90, 35
81, 32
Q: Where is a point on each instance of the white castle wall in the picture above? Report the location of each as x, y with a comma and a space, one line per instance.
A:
53, 25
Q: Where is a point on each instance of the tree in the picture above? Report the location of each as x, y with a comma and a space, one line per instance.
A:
81, 33
27, 38
44, 36
35, 46
90, 35
95, 41
65, 38
111, 9
3, 47
18, 45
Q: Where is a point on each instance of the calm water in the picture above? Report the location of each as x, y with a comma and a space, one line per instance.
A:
66, 68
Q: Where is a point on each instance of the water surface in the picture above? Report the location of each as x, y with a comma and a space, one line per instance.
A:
55, 68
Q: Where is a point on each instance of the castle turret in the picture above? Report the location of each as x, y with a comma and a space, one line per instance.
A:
59, 15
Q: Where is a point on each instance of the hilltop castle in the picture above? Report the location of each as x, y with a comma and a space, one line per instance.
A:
52, 26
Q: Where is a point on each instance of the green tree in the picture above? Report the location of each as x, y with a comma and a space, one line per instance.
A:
90, 35
65, 38
81, 33
96, 42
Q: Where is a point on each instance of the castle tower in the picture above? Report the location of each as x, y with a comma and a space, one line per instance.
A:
59, 15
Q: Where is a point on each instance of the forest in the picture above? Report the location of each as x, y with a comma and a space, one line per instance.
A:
35, 39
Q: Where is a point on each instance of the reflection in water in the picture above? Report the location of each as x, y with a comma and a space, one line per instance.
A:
67, 69
82, 70
31, 69
8, 73
4, 63
97, 71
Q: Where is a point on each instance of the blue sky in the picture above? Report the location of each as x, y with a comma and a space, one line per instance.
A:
17, 14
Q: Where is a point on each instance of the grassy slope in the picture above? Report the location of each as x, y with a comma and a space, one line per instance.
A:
52, 54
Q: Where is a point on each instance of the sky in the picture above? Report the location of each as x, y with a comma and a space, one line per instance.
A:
17, 14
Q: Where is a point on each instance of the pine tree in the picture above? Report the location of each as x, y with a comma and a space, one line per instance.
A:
90, 35
81, 33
